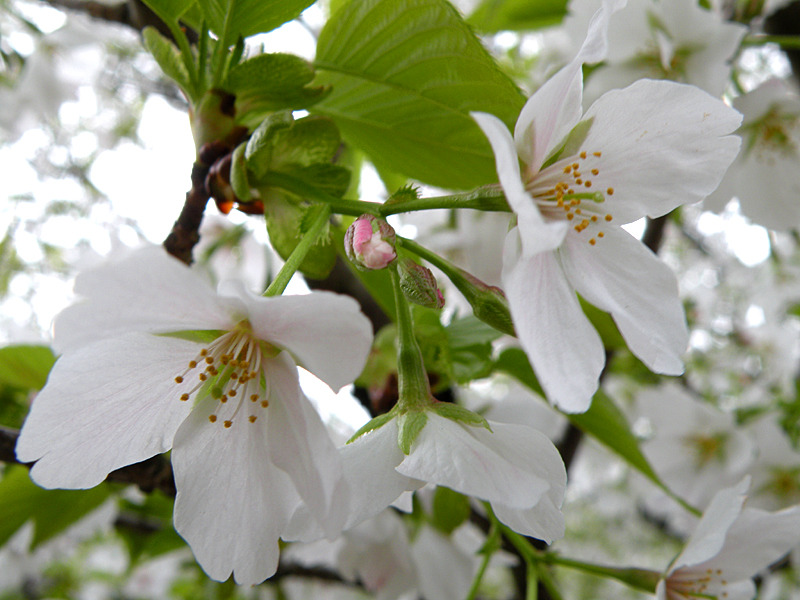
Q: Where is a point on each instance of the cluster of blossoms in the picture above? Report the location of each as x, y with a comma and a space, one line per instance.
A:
153, 359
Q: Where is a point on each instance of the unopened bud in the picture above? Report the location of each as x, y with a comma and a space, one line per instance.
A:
488, 302
369, 243
419, 285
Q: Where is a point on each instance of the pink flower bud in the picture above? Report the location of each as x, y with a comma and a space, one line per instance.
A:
369, 243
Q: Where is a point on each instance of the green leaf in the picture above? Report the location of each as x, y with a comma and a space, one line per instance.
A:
52, 511
450, 509
604, 421
271, 82
517, 15
470, 341
170, 10
259, 147
405, 76
231, 19
168, 58
25, 366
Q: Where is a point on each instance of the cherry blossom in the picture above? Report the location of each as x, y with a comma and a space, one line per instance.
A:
153, 358
728, 547
640, 151
513, 467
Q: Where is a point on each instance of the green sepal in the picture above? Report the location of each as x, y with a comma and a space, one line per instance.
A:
450, 509
409, 426
203, 336
457, 413
271, 82
168, 58
405, 193
239, 180
372, 425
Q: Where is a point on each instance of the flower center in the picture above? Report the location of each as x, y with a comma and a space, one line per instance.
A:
693, 585
562, 191
771, 135
706, 448
230, 370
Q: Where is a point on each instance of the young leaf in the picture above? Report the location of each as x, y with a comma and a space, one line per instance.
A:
405, 76
270, 82
168, 58
25, 366
491, 16
232, 19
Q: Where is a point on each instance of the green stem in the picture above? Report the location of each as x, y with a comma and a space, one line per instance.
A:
640, 579
489, 198
784, 41
337, 205
300, 251
532, 581
476, 582
414, 391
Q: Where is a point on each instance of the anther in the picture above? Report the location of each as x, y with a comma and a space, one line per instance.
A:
592, 241
594, 218
252, 418
583, 155
570, 216
588, 184
597, 154
595, 172
203, 352
179, 379
575, 165
184, 397
610, 191
212, 418
264, 403
579, 181
608, 217
202, 377
600, 234
227, 424
254, 398
192, 364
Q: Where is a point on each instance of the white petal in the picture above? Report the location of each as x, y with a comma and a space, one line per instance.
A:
326, 332
514, 465
147, 291
106, 405
538, 235
444, 572
709, 536
233, 502
663, 144
563, 347
548, 116
369, 467
299, 444
555, 108
545, 521
756, 540
622, 276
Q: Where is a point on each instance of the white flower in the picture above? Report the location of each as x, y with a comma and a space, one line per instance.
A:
764, 176
637, 152
695, 448
728, 548
515, 468
675, 39
154, 359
